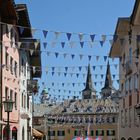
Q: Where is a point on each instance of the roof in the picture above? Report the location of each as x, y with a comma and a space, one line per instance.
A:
135, 17
23, 20
122, 28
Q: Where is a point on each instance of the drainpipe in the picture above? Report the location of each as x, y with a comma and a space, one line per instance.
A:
0, 76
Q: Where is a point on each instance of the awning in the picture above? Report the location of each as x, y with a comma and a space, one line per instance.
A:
36, 133
4, 123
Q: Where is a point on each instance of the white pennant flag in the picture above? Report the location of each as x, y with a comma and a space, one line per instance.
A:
53, 44
34, 70
9, 27
81, 56
111, 42
56, 34
31, 52
64, 55
36, 44
19, 44
103, 38
48, 53
81, 36
90, 44
72, 44
33, 31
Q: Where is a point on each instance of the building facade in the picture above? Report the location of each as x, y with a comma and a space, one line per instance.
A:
86, 117
126, 48
19, 67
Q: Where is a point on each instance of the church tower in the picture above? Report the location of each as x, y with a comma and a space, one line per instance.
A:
89, 92
106, 91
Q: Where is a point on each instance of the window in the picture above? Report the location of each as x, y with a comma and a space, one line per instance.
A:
6, 60
15, 100
130, 55
110, 132
11, 65
99, 132
28, 101
22, 101
136, 81
15, 68
51, 133
76, 133
11, 94
61, 133
92, 133
6, 93
130, 84
130, 100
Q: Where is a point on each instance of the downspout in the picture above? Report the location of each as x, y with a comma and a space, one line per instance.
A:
0, 76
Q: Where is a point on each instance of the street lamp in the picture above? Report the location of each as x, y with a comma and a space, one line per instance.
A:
8, 107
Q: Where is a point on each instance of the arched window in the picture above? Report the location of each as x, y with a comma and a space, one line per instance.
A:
130, 138
23, 133
14, 133
5, 134
123, 138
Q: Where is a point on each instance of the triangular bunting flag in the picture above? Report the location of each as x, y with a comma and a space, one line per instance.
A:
34, 70
72, 43
82, 44
115, 37
64, 55
45, 32
103, 38
52, 73
33, 31
31, 52
111, 42
113, 76
45, 45
94, 68
95, 83
63, 44
81, 36
53, 68
101, 67
48, 53
97, 58
66, 69
91, 44
57, 35
9, 27
36, 44
81, 56
56, 54
77, 75
115, 66
68, 35
80, 68
21, 29
73, 84
92, 37
102, 76
105, 58
101, 43
65, 74
89, 57
72, 56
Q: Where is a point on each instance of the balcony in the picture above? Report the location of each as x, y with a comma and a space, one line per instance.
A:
32, 86
128, 67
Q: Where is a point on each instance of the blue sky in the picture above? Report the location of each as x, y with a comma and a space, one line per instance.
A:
75, 16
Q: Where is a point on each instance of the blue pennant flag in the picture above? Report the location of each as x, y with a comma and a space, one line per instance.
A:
77, 75
73, 84
92, 37
80, 68
105, 58
82, 44
89, 57
72, 56
56, 54
52, 84
63, 44
62, 84
52, 73
21, 30
53, 68
65, 74
68, 36
84, 84
66, 69
94, 67
45, 45
45, 33
115, 37
102, 76
101, 43
59, 91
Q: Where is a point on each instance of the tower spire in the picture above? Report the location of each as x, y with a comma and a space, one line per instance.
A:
108, 81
